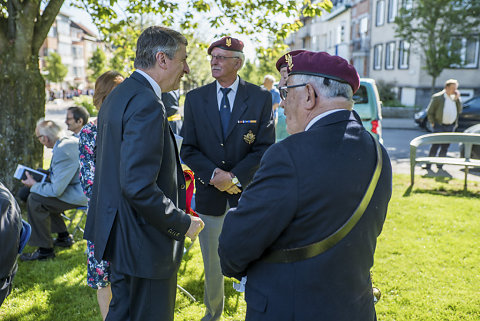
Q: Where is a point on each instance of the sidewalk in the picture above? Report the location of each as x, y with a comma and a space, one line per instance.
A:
399, 123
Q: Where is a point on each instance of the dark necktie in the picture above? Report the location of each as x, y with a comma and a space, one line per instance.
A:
225, 111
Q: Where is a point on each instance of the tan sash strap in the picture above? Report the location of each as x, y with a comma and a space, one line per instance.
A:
312, 250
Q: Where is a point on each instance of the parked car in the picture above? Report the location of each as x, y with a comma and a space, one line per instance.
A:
469, 116
369, 107
475, 129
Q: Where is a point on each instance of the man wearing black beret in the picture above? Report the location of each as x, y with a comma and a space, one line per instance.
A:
304, 232
228, 125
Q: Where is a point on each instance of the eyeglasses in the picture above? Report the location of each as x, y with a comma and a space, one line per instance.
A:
283, 90
220, 58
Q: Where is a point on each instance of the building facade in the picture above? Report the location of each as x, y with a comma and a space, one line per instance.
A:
75, 44
377, 53
395, 61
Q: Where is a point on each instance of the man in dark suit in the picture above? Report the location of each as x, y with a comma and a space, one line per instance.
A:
227, 127
308, 186
136, 217
14, 234
443, 111
170, 101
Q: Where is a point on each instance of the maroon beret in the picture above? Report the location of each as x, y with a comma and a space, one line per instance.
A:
282, 61
323, 65
227, 43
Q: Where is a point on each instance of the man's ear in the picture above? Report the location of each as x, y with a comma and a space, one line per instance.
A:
311, 97
161, 59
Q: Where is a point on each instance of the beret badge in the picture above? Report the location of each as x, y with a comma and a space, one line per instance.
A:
289, 60
229, 42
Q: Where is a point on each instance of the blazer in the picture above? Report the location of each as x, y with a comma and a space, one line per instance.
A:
204, 148
10, 231
307, 186
64, 174
435, 108
135, 216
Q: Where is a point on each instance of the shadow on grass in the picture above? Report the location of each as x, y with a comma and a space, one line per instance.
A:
441, 191
52, 288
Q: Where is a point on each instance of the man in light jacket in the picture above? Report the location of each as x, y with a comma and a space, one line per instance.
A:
49, 199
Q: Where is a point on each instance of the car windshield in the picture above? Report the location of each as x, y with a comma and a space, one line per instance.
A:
362, 106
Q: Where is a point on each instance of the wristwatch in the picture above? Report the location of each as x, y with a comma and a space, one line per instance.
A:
235, 180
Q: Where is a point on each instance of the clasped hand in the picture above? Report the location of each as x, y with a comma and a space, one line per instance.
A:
222, 180
196, 226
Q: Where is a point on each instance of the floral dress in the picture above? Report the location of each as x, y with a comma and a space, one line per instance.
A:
98, 273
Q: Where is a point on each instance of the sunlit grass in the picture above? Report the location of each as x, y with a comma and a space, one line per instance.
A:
426, 265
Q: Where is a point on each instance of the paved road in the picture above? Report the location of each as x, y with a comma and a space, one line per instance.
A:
397, 134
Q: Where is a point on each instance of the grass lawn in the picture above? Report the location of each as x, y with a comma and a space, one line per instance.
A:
426, 265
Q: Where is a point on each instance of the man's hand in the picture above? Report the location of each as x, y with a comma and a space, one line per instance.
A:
30, 181
457, 94
222, 180
196, 226
234, 190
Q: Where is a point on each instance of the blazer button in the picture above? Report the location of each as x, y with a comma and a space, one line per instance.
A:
221, 144
182, 187
223, 162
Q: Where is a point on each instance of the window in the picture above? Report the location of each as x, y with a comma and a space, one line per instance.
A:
377, 57
341, 34
363, 26
392, 10
390, 55
77, 52
467, 49
380, 14
53, 32
403, 54
407, 4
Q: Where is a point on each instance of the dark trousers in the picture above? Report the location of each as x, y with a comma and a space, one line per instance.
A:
439, 128
138, 299
44, 217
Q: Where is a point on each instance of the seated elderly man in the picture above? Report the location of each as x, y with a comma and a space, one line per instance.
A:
77, 117
48, 200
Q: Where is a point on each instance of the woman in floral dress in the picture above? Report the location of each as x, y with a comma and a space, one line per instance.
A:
98, 273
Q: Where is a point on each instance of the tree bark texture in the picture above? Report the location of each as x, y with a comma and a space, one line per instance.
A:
22, 98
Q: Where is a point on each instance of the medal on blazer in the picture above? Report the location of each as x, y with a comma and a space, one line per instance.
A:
249, 137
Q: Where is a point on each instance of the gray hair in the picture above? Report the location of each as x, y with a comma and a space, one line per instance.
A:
269, 77
327, 87
50, 129
241, 56
157, 39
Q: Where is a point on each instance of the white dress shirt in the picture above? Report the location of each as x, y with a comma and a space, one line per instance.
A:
449, 110
231, 95
153, 83
318, 117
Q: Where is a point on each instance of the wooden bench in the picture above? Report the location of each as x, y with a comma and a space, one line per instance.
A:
445, 138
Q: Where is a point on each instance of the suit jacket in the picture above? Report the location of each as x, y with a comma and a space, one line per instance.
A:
64, 174
134, 217
10, 230
307, 186
435, 108
204, 148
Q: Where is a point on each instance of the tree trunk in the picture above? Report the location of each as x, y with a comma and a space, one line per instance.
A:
22, 97
432, 87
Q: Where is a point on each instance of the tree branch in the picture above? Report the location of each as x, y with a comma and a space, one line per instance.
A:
44, 23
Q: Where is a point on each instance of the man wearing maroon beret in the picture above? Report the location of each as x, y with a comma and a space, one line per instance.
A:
304, 232
227, 127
